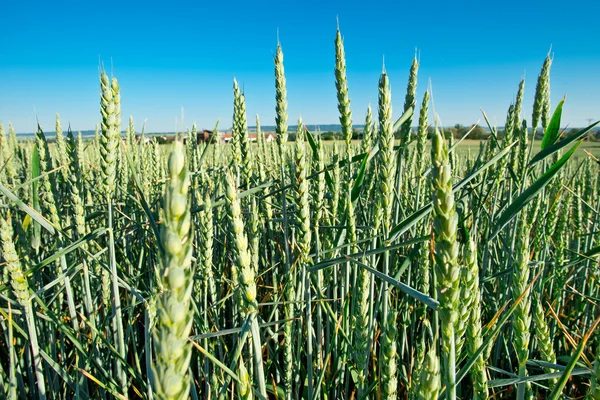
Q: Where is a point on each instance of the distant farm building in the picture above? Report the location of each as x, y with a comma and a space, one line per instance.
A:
269, 137
205, 136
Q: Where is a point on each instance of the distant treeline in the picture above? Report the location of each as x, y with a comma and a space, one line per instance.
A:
333, 132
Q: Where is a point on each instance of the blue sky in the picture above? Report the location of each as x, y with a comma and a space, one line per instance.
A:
169, 55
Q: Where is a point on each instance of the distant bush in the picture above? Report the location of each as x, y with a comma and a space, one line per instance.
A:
478, 133
330, 135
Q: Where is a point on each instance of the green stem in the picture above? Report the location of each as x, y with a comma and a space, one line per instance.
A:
117, 318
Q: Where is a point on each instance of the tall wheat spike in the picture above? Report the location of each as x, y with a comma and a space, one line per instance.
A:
20, 287
341, 84
281, 115
447, 271
410, 99
174, 312
522, 314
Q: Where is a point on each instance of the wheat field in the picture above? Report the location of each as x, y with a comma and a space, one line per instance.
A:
406, 265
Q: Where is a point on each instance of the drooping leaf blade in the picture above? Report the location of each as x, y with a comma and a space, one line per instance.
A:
36, 216
529, 194
415, 294
411, 220
403, 118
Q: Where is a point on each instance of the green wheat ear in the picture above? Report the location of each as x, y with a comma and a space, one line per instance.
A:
175, 316
542, 96
341, 84
242, 257
109, 140
21, 290
280, 98
446, 256
430, 385
409, 100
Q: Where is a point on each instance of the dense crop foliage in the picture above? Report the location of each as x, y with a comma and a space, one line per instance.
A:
393, 268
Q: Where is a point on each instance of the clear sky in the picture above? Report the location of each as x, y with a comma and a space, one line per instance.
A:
170, 55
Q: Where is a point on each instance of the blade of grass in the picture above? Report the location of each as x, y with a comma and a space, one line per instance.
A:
415, 294
556, 393
37, 217
529, 194
552, 131
561, 144
409, 222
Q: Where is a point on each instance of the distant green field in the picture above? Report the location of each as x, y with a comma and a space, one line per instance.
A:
466, 145
585, 148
